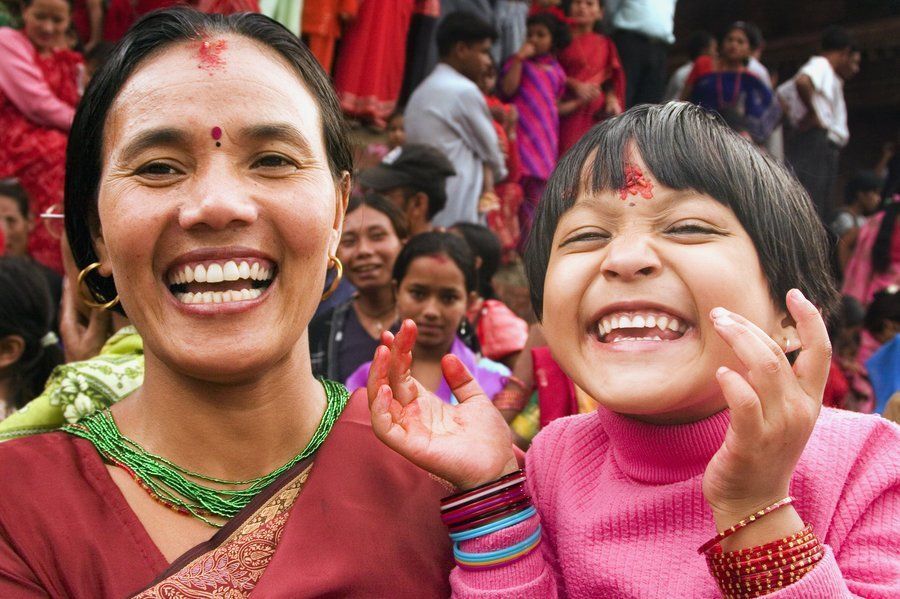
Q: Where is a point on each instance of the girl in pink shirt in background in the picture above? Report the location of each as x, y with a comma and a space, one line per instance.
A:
39, 88
534, 81
681, 279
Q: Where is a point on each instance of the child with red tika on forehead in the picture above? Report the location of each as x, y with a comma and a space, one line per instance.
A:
682, 281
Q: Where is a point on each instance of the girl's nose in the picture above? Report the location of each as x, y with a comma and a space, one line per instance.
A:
629, 257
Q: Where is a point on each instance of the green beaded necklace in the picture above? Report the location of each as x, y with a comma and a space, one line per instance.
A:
171, 485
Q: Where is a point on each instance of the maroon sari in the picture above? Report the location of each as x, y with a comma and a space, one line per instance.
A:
354, 520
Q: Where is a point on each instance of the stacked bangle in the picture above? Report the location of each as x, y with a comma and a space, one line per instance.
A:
484, 510
757, 571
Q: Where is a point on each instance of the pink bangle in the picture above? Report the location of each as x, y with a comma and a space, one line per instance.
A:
743, 523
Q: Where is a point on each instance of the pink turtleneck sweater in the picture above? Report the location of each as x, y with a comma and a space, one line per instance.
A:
623, 513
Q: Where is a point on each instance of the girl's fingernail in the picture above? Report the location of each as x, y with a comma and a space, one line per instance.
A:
718, 313
725, 321
796, 294
721, 371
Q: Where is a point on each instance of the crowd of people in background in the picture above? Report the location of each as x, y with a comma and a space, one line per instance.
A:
476, 105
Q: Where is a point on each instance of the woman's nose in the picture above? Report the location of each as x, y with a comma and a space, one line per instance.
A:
218, 205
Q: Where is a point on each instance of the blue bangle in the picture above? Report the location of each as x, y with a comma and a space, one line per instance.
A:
494, 526
489, 556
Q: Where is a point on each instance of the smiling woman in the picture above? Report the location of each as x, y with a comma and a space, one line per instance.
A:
216, 246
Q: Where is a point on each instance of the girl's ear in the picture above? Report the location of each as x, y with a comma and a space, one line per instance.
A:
11, 349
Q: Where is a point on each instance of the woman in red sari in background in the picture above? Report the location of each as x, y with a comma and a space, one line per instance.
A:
39, 83
232, 471
595, 79
370, 65
122, 14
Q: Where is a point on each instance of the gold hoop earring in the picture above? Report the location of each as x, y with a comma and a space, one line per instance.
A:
87, 298
337, 277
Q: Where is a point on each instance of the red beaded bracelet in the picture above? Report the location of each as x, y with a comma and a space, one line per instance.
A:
744, 523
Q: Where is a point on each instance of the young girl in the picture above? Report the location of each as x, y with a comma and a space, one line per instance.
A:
534, 80
675, 269
436, 282
595, 77
344, 337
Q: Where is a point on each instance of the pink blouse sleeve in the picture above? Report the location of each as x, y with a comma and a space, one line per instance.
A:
22, 82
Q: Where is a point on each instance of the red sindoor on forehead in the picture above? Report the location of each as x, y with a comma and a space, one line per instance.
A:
210, 55
636, 184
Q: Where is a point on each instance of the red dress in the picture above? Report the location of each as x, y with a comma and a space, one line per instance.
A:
361, 521
590, 58
369, 70
35, 154
121, 15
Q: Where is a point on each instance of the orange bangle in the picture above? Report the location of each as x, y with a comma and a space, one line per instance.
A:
744, 523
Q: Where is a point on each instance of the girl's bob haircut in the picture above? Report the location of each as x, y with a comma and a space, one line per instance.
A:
689, 148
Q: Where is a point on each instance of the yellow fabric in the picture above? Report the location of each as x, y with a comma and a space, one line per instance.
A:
75, 390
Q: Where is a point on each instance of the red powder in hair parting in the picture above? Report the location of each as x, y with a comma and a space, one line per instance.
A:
439, 258
210, 55
636, 184
216, 133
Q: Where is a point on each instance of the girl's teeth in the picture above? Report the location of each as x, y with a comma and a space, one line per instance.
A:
662, 322
218, 297
637, 322
624, 322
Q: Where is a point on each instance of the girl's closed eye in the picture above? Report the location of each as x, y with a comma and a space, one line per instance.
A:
586, 237
694, 228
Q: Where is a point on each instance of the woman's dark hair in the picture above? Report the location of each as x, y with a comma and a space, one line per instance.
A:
885, 307
10, 188
881, 249
688, 148
150, 36
437, 244
462, 26
486, 246
27, 311
559, 31
27, 3
753, 33
384, 206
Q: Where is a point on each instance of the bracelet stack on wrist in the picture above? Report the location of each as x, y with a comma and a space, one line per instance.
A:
757, 571
487, 509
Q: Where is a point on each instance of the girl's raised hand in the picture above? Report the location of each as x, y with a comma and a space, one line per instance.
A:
467, 444
773, 411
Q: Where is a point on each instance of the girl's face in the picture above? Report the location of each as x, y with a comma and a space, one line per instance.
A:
395, 132
218, 214
488, 81
585, 12
627, 295
736, 46
433, 294
541, 38
369, 246
46, 22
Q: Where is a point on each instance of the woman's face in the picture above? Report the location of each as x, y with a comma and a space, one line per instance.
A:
46, 22
736, 46
628, 292
217, 207
369, 246
541, 38
433, 294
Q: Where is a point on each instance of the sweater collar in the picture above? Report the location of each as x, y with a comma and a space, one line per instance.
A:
663, 454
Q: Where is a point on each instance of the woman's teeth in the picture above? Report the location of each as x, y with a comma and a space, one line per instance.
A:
218, 297
645, 321
217, 272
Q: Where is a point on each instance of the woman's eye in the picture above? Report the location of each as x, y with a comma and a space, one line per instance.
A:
157, 169
273, 161
692, 229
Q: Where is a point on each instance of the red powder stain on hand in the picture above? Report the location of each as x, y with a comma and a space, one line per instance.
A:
210, 55
636, 184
